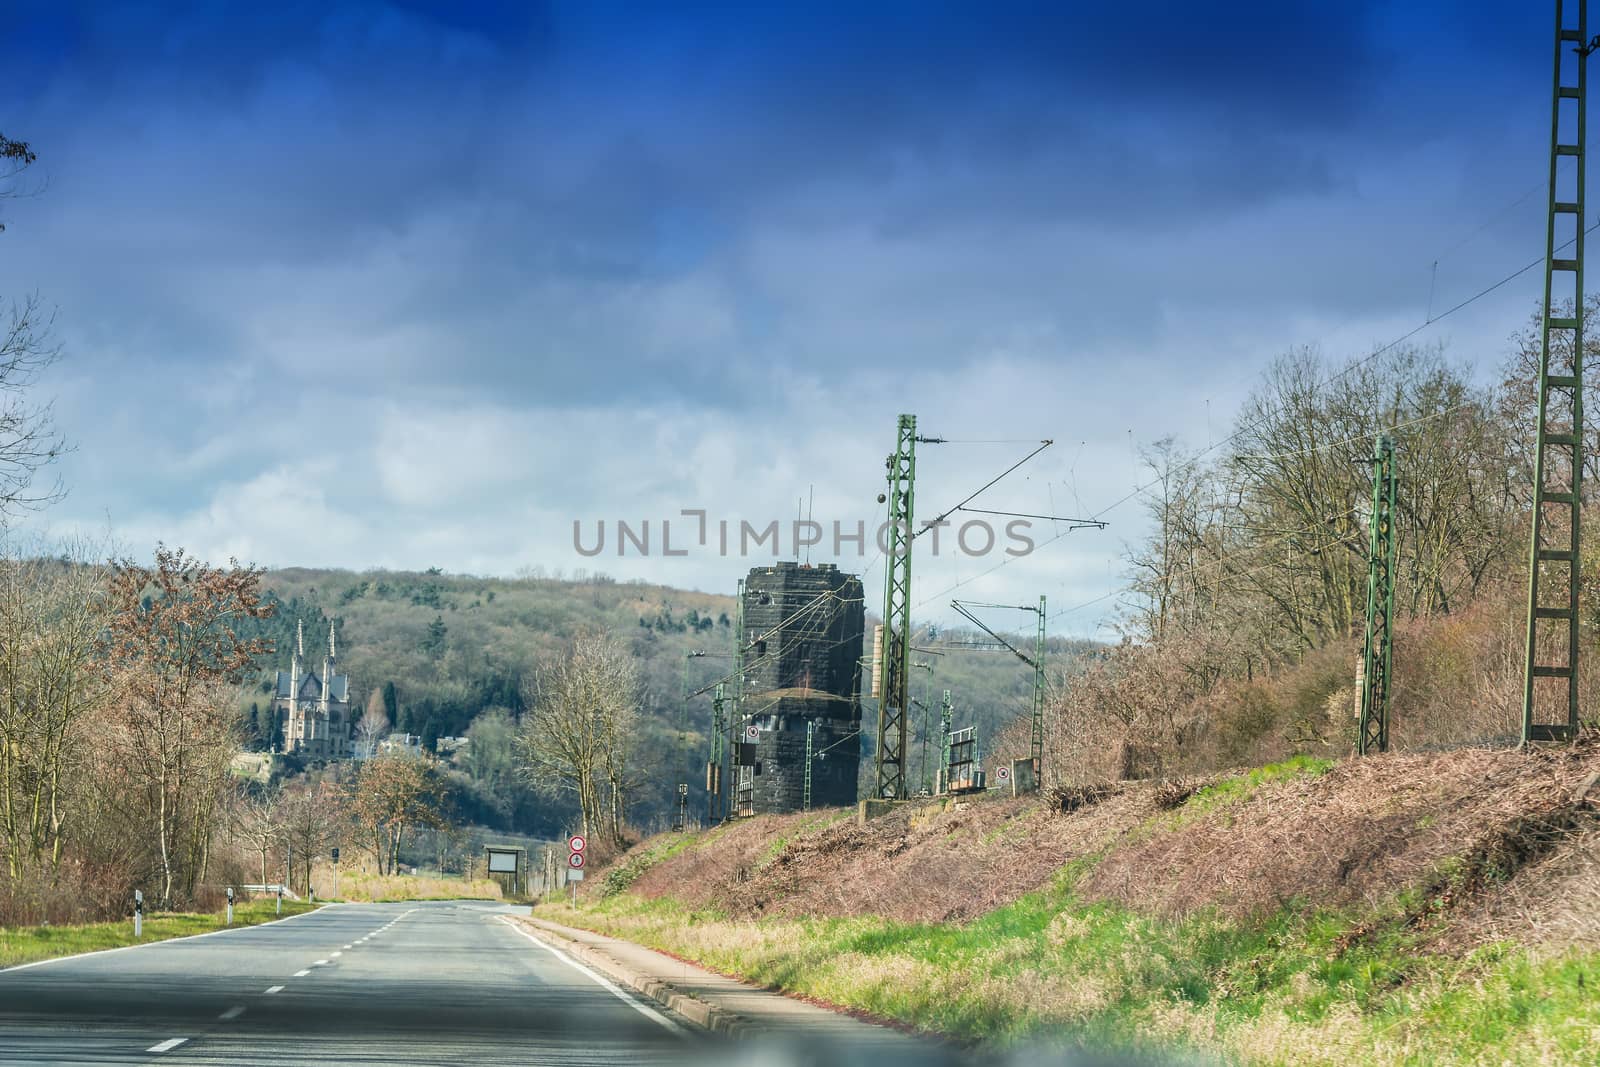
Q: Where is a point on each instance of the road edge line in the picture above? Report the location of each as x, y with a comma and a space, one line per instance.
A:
170, 940
702, 1013
566, 953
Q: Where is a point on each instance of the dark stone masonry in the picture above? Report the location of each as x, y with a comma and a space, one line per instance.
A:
803, 642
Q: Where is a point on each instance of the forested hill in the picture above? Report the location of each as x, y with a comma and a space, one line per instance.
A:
442, 649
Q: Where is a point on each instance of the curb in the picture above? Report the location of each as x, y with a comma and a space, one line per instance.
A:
686, 1005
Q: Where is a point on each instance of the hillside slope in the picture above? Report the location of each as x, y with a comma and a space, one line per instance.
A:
455, 646
1399, 909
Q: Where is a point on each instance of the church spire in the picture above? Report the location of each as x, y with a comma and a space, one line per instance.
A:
327, 669
294, 668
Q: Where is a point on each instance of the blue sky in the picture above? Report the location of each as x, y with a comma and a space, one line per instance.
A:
410, 284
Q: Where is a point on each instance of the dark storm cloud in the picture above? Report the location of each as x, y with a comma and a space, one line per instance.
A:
319, 228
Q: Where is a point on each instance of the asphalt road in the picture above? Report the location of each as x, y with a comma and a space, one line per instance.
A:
427, 983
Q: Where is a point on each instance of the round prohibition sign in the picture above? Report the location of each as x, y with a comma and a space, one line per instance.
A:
576, 843
1004, 774
575, 860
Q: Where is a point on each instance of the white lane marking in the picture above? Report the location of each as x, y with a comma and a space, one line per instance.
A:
630, 1001
337, 954
350, 946
302, 974
168, 1045
232, 1013
273, 989
234, 930
320, 963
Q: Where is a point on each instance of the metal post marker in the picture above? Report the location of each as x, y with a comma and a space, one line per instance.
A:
279, 910
138, 914
230, 905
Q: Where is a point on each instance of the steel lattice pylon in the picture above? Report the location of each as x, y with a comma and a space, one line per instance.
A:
1377, 649
896, 666
1553, 562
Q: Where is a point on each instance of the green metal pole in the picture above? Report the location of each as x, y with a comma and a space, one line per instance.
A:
892, 706
731, 787
1378, 647
715, 804
946, 716
1038, 699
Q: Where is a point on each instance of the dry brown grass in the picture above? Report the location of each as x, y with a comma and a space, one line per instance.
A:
922, 862
1356, 835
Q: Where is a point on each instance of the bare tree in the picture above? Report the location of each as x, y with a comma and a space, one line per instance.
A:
29, 440
372, 727
174, 652
259, 817
311, 816
52, 616
395, 793
580, 733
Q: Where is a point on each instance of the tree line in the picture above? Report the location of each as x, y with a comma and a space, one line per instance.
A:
1245, 606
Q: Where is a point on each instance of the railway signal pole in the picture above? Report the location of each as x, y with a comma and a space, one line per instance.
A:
1377, 649
1553, 558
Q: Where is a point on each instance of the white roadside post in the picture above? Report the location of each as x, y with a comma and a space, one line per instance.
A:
138, 914
230, 905
280, 899
335, 855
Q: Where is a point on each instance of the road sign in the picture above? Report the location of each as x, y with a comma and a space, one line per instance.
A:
1003, 775
576, 843
574, 875
752, 733
335, 854
575, 860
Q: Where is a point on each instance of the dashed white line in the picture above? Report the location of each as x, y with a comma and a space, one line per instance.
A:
350, 946
320, 963
337, 954
302, 974
168, 1045
232, 1013
273, 989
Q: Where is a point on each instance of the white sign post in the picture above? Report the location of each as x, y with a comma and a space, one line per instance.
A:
230, 905
575, 846
138, 914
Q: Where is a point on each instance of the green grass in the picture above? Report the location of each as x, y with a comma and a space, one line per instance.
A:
1242, 787
27, 944
1289, 990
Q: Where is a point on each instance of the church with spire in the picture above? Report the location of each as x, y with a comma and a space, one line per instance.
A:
313, 710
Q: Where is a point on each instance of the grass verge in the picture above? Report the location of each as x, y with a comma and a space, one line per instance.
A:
28, 944
1297, 988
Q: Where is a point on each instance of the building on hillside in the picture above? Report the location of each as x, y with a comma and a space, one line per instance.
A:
802, 638
403, 744
313, 710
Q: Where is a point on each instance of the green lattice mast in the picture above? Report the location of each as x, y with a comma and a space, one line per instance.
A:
1553, 560
1377, 649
